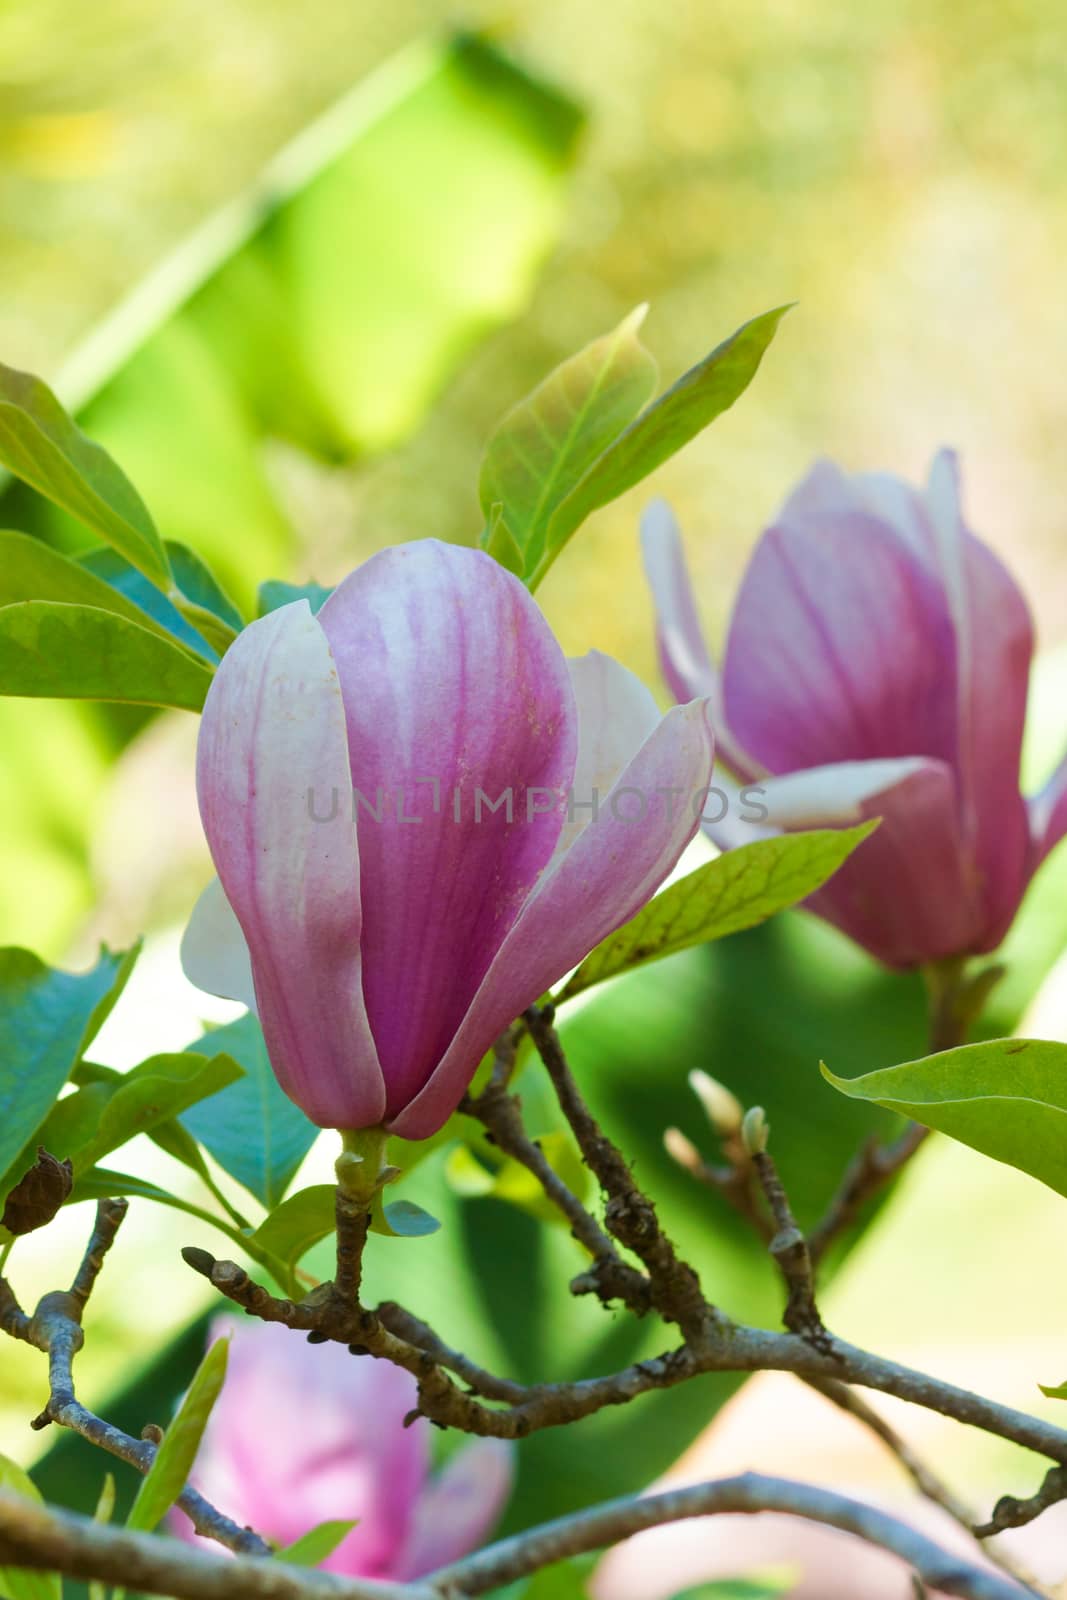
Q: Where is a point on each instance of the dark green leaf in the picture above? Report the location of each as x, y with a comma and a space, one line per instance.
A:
47, 1019
737, 890
160, 1088
253, 1130
41, 445
203, 601
25, 1583
169, 1472
313, 1547
274, 594
75, 652
151, 608
1005, 1097
701, 395
403, 1219
539, 453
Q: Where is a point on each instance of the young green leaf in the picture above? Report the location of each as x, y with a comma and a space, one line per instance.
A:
488, 1174
737, 890
1006, 1098
543, 447
1057, 1391
32, 570
25, 1583
253, 1130
298, 1224
312, 1548
78, 652
689, 406
403, 1219
169, 1472
41, 445
152, 608
201, 598
47, 1019
160, 1088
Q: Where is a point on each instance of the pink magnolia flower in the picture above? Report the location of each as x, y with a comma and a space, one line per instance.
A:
387, 947
877, 665
304, 1434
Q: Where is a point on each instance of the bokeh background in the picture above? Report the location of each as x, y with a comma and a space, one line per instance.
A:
896, 169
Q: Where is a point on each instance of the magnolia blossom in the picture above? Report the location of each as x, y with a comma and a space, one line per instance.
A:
877, 665
422, 815
304, 1434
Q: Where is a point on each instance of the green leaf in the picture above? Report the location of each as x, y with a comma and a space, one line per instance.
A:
313, 1547
737, 890
403, 1219
1054, 1391
151, 607
160, 1088
496, 540
1006, 1098
47, 1020
298, 1224
77, 652
32, 570
699, 396
25, 1583
201, 617
169, 1472
274, 594
202, 599
41, 445
539, 453
253, 1130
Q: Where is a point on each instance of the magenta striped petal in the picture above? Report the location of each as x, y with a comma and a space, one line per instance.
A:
456, 693
841, 648
995, 642
614, 866
909, 893
273, 729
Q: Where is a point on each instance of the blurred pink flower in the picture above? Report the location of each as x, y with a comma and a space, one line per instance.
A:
304, 1434
385, 953
877, 664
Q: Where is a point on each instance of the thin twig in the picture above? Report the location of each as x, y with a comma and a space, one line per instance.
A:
629, 1215
789, 1248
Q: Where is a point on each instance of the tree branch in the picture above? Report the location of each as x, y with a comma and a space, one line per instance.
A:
747, 1494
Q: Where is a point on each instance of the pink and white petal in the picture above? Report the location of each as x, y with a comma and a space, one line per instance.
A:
272, 738
1048, 813
214, 952
616, 714
458, 1508
995, 643
615, 866
456, 693
841, 648
908, 894
683, 654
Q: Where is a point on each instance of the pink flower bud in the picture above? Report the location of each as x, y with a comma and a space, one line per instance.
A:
876, 665
304, 1434
422, 816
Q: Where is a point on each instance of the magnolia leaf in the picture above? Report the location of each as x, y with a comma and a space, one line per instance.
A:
497, 541
25, 1583
1054, 1391
403, 1219
544, 446
201, 599
1006, 1098
274, 594
160, 1088
313, 1547
298, 1224
737, 890
253, 1129
32, 570
169, 1472
202, 617
78, 652
47, 1019
41, 445
700, 395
